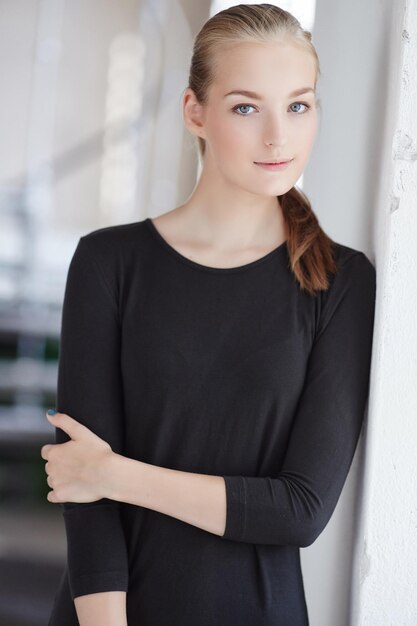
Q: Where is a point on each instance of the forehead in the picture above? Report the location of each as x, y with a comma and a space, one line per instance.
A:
264, 68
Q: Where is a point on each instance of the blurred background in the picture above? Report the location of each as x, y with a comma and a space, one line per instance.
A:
92, 135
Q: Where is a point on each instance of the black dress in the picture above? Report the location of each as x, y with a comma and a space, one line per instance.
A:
224, 371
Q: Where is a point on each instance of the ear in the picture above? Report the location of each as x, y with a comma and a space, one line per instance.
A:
193, 114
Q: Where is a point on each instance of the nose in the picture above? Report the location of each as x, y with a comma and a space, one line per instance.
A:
275, 132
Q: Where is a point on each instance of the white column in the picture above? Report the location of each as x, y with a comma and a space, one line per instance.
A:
167, 156
362, 181
385, 572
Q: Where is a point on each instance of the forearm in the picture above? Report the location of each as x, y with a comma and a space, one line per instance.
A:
197, 499
105, 608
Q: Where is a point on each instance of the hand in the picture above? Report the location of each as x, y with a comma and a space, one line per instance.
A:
75, 467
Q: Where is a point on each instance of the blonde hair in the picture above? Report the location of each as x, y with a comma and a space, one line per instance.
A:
310, 249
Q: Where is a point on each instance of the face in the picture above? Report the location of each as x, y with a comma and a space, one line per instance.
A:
241, 130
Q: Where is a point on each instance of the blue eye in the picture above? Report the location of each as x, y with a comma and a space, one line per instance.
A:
303, 104
242, 106
239, 106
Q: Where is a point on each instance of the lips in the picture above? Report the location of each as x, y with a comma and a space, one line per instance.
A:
274, 167
273, 162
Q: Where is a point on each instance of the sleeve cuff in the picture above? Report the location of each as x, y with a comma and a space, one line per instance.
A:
235, 507
96, 550
99, 582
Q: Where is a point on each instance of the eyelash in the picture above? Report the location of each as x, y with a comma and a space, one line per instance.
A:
251, 105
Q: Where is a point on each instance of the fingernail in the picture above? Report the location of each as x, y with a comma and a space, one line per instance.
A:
51, 411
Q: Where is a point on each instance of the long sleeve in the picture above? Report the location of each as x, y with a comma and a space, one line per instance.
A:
294, 507
89, 390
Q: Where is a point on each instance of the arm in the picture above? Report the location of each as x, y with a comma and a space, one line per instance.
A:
197, 499
107, 609
89, 388
294, 507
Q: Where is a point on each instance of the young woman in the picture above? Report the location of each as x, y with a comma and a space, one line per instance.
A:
214, 363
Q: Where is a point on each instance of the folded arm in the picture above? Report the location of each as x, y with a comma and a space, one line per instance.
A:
89, 389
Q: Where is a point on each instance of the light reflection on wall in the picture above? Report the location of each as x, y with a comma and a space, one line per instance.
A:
119, 164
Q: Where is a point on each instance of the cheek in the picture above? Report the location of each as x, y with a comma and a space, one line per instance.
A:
229, 136
307, 134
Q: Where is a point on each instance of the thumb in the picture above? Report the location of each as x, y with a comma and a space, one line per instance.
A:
68, 424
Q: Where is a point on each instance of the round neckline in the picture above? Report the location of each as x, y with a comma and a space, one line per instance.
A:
207, 268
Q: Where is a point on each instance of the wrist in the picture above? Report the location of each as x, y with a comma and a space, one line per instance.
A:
108, 476
124, 479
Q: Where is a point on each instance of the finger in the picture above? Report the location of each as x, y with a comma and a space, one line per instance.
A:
51, 497
45, 451
68, 424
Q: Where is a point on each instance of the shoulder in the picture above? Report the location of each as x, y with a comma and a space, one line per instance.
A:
118, 248
114, 241
346, 255
352, 289
105, 256
352, 265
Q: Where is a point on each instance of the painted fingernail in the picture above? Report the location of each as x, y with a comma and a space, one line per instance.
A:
51, 411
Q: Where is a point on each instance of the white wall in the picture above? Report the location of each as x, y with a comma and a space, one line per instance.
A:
385, 574
349, 181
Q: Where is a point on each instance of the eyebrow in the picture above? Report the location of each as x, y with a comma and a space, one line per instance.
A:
252, 94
